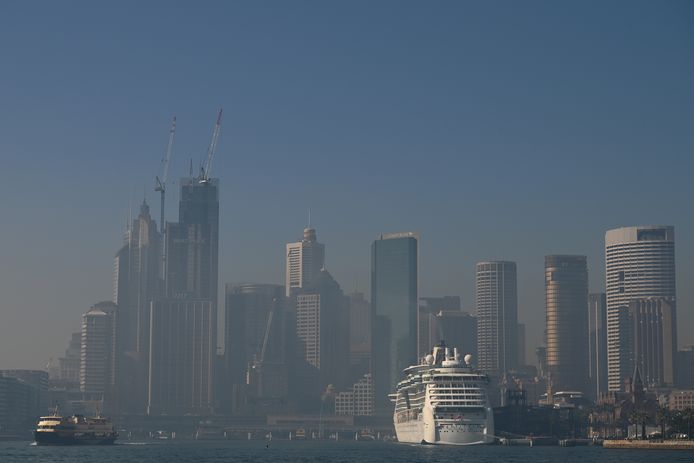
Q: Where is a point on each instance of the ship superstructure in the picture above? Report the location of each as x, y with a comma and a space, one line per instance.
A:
443, 400
73, 430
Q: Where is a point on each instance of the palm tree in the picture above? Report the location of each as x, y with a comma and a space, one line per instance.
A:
663, 416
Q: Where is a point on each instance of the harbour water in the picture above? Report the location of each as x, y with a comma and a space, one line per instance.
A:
278, 451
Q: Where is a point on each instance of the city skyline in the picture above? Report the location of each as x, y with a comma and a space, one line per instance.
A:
376, 133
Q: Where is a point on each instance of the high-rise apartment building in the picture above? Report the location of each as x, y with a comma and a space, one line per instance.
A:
597, 343
182, 354
566, 298
394, 287
497, 317
654, 340
639, 263
97, 356
304, 261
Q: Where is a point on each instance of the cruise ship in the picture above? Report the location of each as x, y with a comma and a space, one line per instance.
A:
443, 400
74, 430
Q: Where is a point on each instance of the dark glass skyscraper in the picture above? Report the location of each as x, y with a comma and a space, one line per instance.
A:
183, 326
192, 244
394, 268
566, 292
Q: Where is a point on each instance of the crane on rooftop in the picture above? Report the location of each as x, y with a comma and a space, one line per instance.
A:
161, 182
206, 170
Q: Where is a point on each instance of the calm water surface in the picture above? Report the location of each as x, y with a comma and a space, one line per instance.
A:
338, 452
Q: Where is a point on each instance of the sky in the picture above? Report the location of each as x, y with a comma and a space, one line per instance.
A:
496, 130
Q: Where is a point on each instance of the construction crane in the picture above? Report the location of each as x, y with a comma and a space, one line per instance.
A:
161, 183
206, 171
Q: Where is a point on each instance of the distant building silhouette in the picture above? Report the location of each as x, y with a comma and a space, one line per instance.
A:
255, 344
304, 261
137, 281
566, 290
70, 363
496, 297
394, 293
359, 334
427, 327
639, 262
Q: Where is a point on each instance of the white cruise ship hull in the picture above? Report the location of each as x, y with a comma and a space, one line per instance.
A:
420, 432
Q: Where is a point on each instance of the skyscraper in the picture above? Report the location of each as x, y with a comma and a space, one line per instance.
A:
639, 263
394, 286
192, 244
597, 343
497, 317
137, 281
654, 339
322, 327
183, 324
566, 293
182, 353
97, 364
305, 260
254, 318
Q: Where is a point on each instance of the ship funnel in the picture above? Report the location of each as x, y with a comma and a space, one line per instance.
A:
448, 353
456, 354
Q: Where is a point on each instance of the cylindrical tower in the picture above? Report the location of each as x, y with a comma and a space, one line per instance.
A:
566, 293
639, 263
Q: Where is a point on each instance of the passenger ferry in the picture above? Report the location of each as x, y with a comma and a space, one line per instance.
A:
74, 430
443, 400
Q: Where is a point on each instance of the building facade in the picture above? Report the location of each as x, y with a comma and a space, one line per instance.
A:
304, 261
394, 289
182, 356
137, 281
322, 321
653, 340
566, 299
639, 262
97, 353
496, 304
597, 343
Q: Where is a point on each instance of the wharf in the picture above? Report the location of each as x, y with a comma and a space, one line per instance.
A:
649, 444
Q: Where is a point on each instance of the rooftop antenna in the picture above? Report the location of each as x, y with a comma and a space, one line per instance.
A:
190, 168
309, 217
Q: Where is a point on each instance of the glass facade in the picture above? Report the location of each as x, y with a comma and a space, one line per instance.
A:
394, 298
566, 292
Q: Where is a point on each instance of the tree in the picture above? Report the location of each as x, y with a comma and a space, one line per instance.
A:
664, 417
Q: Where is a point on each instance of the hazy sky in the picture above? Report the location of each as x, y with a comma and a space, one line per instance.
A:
497, 130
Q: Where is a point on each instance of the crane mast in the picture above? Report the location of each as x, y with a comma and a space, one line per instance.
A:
161, 186
207, 169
